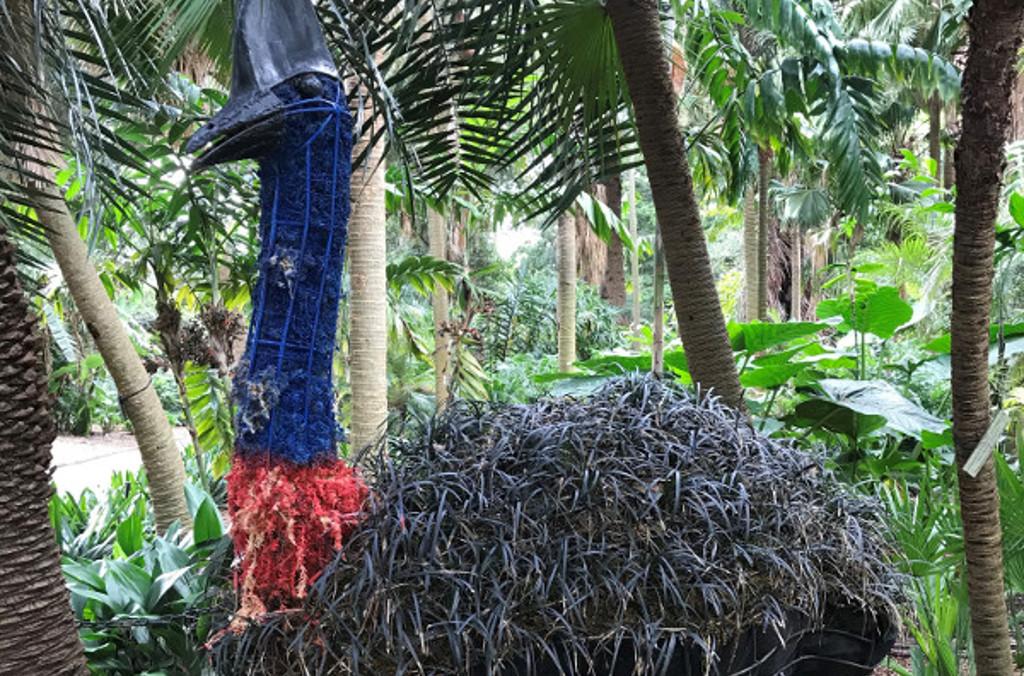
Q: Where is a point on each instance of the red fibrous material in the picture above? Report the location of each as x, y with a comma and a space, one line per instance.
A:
288, 522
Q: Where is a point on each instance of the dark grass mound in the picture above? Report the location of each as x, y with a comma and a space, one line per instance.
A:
635, 531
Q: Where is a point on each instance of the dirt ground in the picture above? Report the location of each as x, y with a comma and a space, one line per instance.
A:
87, 462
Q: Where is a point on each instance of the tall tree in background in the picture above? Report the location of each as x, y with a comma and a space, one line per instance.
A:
996, 29
591, 250
566, 253
38, 151
764, 174
634, 254
613, 287
637, 28
751, 256
437, 235
368, 321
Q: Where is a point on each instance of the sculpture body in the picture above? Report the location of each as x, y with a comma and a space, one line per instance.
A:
291, 499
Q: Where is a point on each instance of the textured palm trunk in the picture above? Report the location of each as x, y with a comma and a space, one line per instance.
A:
658, 330
634, 255
37, 630
566, 252
996, 28
750, 256
367, 270
764, 163
437, 234
796, 272
160, 456
613, 287
636, 24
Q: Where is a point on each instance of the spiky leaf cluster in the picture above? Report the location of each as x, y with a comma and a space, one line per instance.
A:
638, 516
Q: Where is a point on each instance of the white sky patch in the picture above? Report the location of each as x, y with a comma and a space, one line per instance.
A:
509, 239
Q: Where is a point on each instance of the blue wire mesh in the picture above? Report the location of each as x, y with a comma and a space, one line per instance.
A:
284, 387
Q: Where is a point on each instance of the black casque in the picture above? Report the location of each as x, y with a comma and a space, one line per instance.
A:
275, 41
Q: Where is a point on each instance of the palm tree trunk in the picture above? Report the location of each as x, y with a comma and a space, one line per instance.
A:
566, 252
796, 275
750, 256
613, 287
935, 133
634, 255
996, 28
952, 132
437, 226
764, 157
591, 251
637, 28
368, 321
160, 455
658, 330
37, 630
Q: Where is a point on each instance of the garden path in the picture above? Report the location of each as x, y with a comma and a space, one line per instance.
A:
87, 462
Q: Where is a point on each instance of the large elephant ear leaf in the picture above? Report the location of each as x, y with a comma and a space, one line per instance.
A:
756, 337
879, 398
876, 310
823, 414
884, 312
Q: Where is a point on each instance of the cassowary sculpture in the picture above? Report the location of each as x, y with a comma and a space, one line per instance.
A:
291, 499
637, 531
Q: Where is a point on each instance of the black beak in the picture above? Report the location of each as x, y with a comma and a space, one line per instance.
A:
274, 41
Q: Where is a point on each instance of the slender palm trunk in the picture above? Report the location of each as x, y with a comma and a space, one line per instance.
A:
996, 28
37, 629
164, 467
613, 287
437, 234
796, 275
637, 28
750, 256
367, 261
764, 156
160, 455
566, 252
952, 132
658, 330
634, 255
935, 133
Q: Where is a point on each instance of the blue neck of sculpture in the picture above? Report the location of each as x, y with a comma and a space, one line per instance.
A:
284, 386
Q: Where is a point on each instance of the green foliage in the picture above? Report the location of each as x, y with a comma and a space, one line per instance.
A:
87, 396
876, 310
213, 414
145, 603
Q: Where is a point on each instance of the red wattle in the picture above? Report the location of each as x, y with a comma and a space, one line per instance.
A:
288, 521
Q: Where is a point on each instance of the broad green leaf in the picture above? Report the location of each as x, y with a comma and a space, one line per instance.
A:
883, 312
161, 585
127, 584
879, 398
1017, 208
879, 311
207, 525
758, 336
826, 414
769, 377
130, 534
